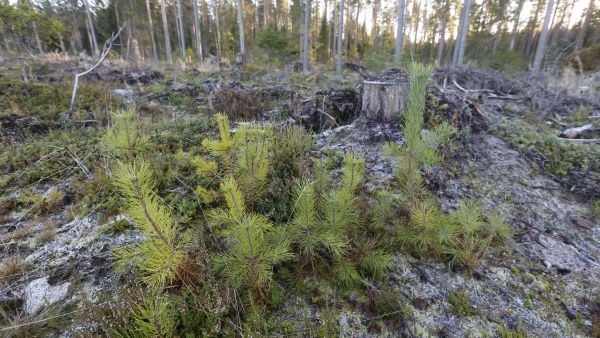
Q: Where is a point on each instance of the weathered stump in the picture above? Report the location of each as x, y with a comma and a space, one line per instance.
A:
325, 110
383, 100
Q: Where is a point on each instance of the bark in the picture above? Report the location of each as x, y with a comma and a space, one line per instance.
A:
374, 19
584, 26
197, 33
163, 12
240, 14
463, 32
88, 14
442, 41
266, 5
340, 37
556, 30
533, 24
541, 47
305, 38
416, 9
513, 35
399, 33
151, 29
37, 37
180, 29
383, 100
218, 28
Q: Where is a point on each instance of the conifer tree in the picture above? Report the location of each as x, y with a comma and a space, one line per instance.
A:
253, 249
159, 255
418, 150
124, 139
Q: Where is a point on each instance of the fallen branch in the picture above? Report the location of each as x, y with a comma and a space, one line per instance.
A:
107, 47
581, 140
573, 133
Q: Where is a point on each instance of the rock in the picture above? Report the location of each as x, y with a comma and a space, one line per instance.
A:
38, 293
127, 95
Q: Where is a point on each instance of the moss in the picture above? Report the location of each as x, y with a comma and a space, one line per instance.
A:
566, 161
461, 305
49, 101
595, 210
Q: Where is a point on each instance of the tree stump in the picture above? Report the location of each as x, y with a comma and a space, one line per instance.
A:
383, 100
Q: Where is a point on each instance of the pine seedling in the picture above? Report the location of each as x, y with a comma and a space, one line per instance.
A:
321, 178
225, 142
345, 273
353, 171
309, 236
162, 251
253, 250
252, 163
372, 259
417, 152
156, 316
124, 138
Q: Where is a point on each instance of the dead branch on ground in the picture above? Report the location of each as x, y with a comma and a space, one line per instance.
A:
107, 47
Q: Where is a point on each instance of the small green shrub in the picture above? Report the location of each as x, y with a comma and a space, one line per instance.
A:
595, 210
162, 251
461, 305
589, 57
253, 250
518, 332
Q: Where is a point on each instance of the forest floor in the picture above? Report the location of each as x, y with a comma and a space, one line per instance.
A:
517, 155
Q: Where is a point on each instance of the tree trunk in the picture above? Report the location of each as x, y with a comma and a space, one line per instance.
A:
374, 19
180, 30
383, 101
556, 30
266, 5
541, 47
197, 33
533, 23
240, 14
463, 34
440, 51
305, 38
584, 26
218, 28
163, 13
151, 29
340, 37
88, 14
513, 35
416, 10
399, 33
37, 37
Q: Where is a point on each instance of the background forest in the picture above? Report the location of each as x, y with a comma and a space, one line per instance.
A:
503, 34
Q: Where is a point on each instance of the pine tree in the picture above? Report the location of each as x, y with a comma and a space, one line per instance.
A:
124, 138
159, 255
253, 248
419, 148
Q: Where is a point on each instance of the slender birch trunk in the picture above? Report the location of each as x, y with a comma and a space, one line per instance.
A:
151, 29
240, 13
584, 26
340, 37
305, 38
541, 47
197, 32
399, 32
163, 13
